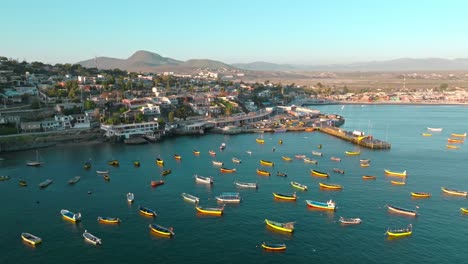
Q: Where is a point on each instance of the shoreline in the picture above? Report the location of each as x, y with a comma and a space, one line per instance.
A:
400, 103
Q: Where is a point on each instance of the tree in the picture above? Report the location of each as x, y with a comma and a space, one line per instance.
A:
89, 105
35, 104
170, 116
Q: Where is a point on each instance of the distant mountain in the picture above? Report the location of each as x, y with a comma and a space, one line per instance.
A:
264, 66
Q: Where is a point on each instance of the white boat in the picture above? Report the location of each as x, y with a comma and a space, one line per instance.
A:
190, 198
91, 238
249, 152
130, 197
350, 221
236, 160
34, 163
229, 197
202, 179
70, 215
31, 239
45, 183
316, 153
223, 146
102, 172
74, 180
307, 160
252, 185
217, 163
435, 129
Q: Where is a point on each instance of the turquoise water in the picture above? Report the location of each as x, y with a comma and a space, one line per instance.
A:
439, 230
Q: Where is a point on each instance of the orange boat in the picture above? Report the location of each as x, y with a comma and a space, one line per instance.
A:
368, 177
226, 170
156, 183
453, 140
398, 182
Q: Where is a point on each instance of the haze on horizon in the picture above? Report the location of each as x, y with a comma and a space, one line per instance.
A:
293, 32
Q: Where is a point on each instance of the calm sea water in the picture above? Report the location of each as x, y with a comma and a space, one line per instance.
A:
439, 231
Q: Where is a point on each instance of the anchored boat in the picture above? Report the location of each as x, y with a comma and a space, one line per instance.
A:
147, 211
263, 172
229, 197
350, 221
403, 211
91, 238
329, 205
330, 186
299, 186
202, 179
274, 246
31, 239
396, 233
420, 195
285, 227
287, 197
108, 220
190, 198
161, 230
267, 163
70, 215
454, 192
319, 173
252, 185
395, 173
210, 211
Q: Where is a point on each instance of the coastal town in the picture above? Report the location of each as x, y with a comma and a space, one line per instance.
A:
81, 103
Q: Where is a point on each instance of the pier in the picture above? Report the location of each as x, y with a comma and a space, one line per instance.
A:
364, 141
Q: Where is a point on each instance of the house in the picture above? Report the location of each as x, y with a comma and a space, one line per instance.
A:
64, 121
51, 125
29, 127
81, 121
150, 109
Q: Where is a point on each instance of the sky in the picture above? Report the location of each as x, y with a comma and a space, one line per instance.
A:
313, 32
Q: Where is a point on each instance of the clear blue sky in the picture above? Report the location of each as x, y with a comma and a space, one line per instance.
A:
292, 31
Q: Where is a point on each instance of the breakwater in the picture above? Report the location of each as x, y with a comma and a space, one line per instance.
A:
364, 141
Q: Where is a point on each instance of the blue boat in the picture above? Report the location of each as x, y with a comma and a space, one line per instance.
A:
330, 205
70, 216
147, 211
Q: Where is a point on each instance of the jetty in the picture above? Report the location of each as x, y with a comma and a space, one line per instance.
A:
356, 138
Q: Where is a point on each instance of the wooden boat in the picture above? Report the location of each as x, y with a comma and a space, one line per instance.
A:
454, 192
130, 197
273, 246
31, 239
298, 156
267, 163
35, 163
23, 183
217, 163
426, 134
159, 162
177, 157
156, 183
316, 153
396, 233
365, 164
228, 197
136, 163
286, 158
45, 183
113, 162
252, 185
350, 221
91, 238
435, 129
226, 170
458, 135
364, 160
4, 178
166, 172
106, 177
453, 140
420, 195
307, 160
161, 230
285, 227
202, 179
398, 182
287, 197
281, 174
263, 172
212, 153
329, 205
108, 220
352, 153
335, 159
210, 211
102, 172
394, 209
452, 147
394, 173
330, 186
464, 210
190, 198
338, 170
299, 186
368, 177
147, 211
196, 152
319, 173
236, 160
260, 140
70, 216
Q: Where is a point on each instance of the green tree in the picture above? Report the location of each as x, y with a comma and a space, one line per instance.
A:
170, 116
88, 104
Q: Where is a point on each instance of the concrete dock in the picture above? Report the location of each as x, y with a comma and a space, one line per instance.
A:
364, 141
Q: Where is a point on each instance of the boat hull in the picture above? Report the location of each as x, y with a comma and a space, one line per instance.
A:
320, 205
279, 226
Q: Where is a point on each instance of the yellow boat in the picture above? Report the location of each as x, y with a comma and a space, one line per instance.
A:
426, 134
464, 210
368, 177
210, 211
196, 152
274, 247
31, 239
286, 158
454, 140
454, 192
161, 230
365, 164
263, 172
459, 135
319, 173
177, 157
285, 196
394, 173
330, 186
420, 195
260, 141
452, 147
352, 153
108, 220
113, 162
226, 170
398, 182
159, 162
267, 163
299, 186
400, 232
285, 227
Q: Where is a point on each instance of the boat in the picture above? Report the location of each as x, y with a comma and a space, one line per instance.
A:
102, 172
395, 173
420, 195
35, 163
106, 177
464, 210
435, 129
229, 197
349, 221
45, 183
147, 211
212, 153
365, 164
452, 147
196, 152
298, 156
177, 157
4, 178
454, 192
226, 170
156, 183
222, 147
31, 239
210, 210
285, 227
130, 197
299, 186
159, 162
454, 140
458, 135
286, 158
113, 162
316, 153
403, 211
280, 141
161, 230
236, 160
395, 233
249, 152
166, 172
87, 165
202, 179
319, 173
70, 215
252, 185
136, 163
260, 140
338, 170
364, 160
267, 163
330, 186
352, 153
263, 172
274, 246
91, 238
108, 220
426, 134
329, 205
288, 197
281, 174
23, 183
217, 163
398, 182
335, 159
307, 160
190, 198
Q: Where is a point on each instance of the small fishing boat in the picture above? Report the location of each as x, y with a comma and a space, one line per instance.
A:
166, 172
147, 211
435, 129
31, 239
87, 165
35, 163
281, 174
102, 171
299, 186
452, 147
329, 205
280, 141
212, 153
395, 233
454, 192
45, 183
298, 156
136, 163
236, 160
364, 160
398, 182
159, 162
464, 210
319, 173
91, 238
210, 210
394, 209
177, 157
368, 177
285, 227
330, 186
113, 162
260, 140
70, 215
287, 197
252, 185
202, 179
453, 140
395, 173
196, 152
350, 221
23, 183
263, 172
222, 146
365, 164
307, 160
316, 153
156, 183
335, 159
226, 170
426, 134
161, 230
217, 163
108, 220
267, 163
458, 135
190, 198
106, 177
420, 195
130, 197
353, 153
286, 158
4, 178
249, 152
338, 170
273, 246
228, 197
